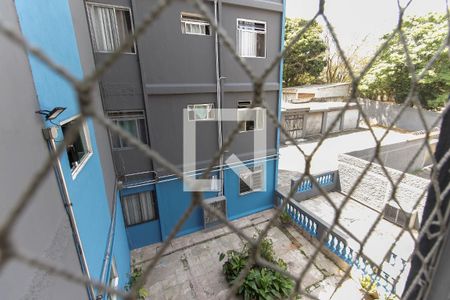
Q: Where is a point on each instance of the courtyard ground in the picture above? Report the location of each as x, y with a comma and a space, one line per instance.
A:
326, 158
190, 268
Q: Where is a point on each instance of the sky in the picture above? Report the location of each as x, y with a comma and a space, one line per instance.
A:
361, 22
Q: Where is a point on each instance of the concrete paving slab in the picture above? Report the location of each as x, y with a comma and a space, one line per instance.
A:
196, 273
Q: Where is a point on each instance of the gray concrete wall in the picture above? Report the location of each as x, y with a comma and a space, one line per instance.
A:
398, 156
177, 70
49, 238
331, 117
80, 24
165, 113
351, 119
313, 123
384, 114
242, 145
338, 91
318, 122
172, 70
231, 69
121, 88
374, 190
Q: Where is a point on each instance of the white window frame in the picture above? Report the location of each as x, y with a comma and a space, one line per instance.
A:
127, 118
84, 129
257, 169
259, 117
114, 7
209, 114
265, 36
184, 19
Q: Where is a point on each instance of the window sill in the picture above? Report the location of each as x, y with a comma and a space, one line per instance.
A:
250, 192
78, 168
254, 130
141, 223
111, 52
262, 57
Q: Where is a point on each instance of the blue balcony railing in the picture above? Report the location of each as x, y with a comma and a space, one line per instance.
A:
337, 243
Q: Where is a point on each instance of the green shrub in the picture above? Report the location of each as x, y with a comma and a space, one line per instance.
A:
134, 277
285, 218
369, 286
260, 283
234, 264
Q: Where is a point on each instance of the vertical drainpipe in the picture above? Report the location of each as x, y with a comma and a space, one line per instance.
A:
218, 98
110, 242
50, 134
280, 95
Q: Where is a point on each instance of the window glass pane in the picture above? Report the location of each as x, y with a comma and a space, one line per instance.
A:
115, 139
260, 45
139, 208
194, 24
243, 186
142, 132
78, 149
131, 127
103, 23
251, 39
148, 211
124, 27
201, 112
131, 121
249, 125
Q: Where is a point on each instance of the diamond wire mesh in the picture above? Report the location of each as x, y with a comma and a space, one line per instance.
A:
84, 86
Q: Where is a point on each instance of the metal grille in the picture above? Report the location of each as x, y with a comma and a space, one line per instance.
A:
84, 86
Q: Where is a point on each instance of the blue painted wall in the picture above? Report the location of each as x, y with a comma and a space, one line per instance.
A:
173, 202
242, 205
48, 25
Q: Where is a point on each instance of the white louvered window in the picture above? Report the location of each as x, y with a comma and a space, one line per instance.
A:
110, 27
139, 208
251, 38
200, 112
251, 180
194, 24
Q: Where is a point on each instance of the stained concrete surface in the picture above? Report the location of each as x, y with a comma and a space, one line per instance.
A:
190, 267
326, 157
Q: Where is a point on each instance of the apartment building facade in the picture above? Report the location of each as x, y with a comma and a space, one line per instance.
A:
74, 221
179, 64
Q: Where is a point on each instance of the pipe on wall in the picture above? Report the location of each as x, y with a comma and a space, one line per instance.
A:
50, 135
218, 96
110, 243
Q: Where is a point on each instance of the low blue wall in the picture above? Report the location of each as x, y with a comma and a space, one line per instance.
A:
172, 203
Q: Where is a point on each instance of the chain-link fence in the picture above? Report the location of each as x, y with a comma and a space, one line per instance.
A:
84, 87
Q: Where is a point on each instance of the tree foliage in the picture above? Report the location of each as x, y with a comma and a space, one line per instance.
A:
304, 63
335, 70
390, 78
